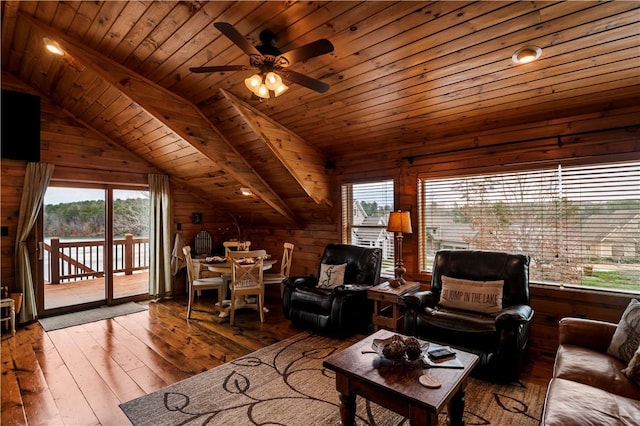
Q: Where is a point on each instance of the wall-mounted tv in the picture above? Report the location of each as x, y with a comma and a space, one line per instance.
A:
20, 126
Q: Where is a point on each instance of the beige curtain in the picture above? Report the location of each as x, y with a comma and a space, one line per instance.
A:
159, 237
36, 181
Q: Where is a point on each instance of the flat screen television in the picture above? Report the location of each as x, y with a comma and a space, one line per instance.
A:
20, 126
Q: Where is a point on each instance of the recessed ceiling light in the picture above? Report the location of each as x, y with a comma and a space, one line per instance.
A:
52, 46
246, 191
526, 54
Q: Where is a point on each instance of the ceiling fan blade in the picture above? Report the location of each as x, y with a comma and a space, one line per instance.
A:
232, 34
219, 68
305, 81
310, 50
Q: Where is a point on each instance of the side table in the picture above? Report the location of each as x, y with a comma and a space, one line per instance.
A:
11, 318
386, 312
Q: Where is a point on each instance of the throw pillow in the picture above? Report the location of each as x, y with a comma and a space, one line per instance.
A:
633, 369
626, 338
331, 275
484, 297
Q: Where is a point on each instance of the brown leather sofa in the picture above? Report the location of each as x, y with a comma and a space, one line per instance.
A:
588, 387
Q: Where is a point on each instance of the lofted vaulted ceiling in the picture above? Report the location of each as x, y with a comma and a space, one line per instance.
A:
402, 74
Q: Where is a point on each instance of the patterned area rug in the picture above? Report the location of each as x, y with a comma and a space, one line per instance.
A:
285, 384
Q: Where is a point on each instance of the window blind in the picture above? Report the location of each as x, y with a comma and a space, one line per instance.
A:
579, 224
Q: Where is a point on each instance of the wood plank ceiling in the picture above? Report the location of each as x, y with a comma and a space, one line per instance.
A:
402, 74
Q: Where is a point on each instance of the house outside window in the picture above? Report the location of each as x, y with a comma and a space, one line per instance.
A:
579, 224
365, 214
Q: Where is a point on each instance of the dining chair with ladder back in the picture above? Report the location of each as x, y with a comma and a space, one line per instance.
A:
285, 268
247, 280
196, 283
235, 246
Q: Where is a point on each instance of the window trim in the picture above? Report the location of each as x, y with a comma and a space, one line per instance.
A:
347, 213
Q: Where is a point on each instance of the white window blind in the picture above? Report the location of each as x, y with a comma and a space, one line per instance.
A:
365, 214
579, 224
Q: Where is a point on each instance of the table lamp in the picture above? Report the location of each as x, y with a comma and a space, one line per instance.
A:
399, 222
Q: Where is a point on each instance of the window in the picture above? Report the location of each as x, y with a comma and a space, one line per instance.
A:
580, 224
365, 213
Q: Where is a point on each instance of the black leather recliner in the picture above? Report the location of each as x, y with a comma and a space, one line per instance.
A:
344, 309
499, 340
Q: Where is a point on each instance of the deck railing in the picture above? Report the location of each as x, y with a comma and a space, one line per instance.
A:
78, 260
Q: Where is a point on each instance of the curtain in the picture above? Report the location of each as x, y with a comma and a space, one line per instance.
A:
36, 181
159, 237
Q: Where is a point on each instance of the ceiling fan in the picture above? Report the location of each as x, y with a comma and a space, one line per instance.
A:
268, 59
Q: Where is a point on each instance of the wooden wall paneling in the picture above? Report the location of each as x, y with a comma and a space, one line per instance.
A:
309, 245
12, 181
480, 149
551, 304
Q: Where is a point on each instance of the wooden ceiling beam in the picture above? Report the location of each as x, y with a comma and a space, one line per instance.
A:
302, 161
182, 117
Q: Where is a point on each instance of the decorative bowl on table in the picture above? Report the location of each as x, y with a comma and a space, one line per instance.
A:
399, 348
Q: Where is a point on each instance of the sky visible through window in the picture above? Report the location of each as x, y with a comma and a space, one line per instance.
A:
59, 195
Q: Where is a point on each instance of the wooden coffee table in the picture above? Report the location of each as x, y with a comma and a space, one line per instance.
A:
396, 387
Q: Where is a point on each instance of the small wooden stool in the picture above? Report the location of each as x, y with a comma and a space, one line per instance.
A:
11, 304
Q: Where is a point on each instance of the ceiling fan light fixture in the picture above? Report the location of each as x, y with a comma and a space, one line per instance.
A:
272, 80
280, 89
262, 92
253, 83
526, 54
52, 46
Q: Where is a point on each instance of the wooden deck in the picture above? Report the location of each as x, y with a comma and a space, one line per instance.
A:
79, 375
77, 292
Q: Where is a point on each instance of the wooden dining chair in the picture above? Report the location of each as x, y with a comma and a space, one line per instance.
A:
196, 283
229, 245
285, 268
247, 280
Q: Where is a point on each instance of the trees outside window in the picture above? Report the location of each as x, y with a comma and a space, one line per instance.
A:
579, 225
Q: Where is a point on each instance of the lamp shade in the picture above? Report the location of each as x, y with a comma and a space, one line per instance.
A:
253, 83
399, 222
280, 89
262, 92
272, 80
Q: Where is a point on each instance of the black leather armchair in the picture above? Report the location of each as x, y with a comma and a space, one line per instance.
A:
344, 309
500, 339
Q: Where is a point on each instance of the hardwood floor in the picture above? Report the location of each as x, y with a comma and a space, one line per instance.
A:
79, 375
84, 291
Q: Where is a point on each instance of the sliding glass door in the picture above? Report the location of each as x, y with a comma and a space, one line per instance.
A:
130, 242
93, 248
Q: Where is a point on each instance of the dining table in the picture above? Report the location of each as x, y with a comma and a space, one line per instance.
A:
223, 266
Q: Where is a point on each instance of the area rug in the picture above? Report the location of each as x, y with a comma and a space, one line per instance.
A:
285, 384
91, 315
